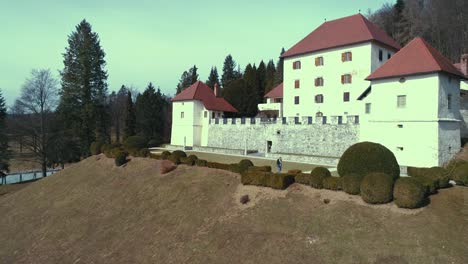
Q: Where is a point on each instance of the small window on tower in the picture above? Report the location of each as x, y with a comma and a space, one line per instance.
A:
368, 108
389, 56
380, 55
346, 97
449, 101
401, 101
296, 99
297, 84
205, 114
181, 114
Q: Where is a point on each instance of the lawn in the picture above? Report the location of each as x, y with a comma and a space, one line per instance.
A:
94, 212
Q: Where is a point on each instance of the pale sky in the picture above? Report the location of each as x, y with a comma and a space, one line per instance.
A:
157, 40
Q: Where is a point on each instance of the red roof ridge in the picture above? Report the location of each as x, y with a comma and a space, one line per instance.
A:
276, 92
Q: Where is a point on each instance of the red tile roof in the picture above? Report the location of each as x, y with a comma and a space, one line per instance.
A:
457, 65
201, 92
276, 92
416, 57
341, 32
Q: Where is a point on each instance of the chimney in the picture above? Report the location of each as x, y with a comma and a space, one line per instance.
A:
464, 64
217, 92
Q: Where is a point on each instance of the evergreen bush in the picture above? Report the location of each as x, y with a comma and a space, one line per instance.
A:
460, 174
95, 148
135, 143
367, 157
408, 193
377, 188
267, 179
332, 183
352, 183
120, 158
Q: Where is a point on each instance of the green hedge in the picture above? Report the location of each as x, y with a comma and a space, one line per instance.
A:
352, 183
303, 178
294, 171
438, 174
201, 163
460, 175
332, 183
260, 168
165, 154
95, 147
408, 193
317, 175
267, 179
135, 142
217, 165
367, 157
377, 188
155, 156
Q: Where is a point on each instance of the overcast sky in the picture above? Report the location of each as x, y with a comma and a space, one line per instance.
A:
157, 40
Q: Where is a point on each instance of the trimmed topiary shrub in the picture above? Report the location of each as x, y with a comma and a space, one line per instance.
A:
154, 143
144, 152
408, 193
187, 161
135, 142
352, 183
105, 148
95, 148
167, 166
377, 188
217, 165
294, 171
303, 178
165, 154
332, 183
317, 175
155, 156
175, 159
367, 157
244, 165
179, 153
453, 164
121, 158
201, 163
438, 174
430, 184
460, 174
267, 179
260, 168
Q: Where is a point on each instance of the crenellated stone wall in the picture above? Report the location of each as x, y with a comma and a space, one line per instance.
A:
314, 139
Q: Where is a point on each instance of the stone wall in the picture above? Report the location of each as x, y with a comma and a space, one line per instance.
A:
288, 137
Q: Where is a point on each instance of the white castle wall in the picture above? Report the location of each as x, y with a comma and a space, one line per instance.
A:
318, 142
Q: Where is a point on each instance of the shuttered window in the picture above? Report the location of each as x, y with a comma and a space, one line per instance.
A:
297, 84
319, 61
319, 98
296, 65
296, 99
346, 56
346, 78
346, 97
319, 81
401, 101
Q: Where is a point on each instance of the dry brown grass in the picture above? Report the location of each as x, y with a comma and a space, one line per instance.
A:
95, 212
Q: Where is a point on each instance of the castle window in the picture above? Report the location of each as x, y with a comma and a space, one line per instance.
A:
346, 56
368, 108
400, 148
400, 126
297, 84
380, 55
205, 114
213, 115
181, 114
449, 101
319, 61
319, 81
346, 97
346, 78
389, 56
296, 99
318, 114
296, 65
319, 98
401, 101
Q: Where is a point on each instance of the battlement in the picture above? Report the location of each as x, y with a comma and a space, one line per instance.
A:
305, 120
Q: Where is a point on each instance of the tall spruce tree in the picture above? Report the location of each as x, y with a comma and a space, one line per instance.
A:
279, 69
82, 107
229, 71
261, 80
187, 78
270, 76
4, 151
130, 117
250, 94
151, 108
213, 78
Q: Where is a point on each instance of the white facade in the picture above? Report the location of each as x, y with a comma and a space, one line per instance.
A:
272, 104
190, 120
365, 59
423, 130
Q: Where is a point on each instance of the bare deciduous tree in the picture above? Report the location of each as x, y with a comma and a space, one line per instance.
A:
33, 110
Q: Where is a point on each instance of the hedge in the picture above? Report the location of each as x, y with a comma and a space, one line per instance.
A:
201, 163
135, 142
352, 183
438, 174
294, 171
317, 175
260, 168
267, 179
165, 154
303, 178
408, 193
95, 147
244, 165
332, 183
179, 153
377, 188
367, 157
460, 174
217, 165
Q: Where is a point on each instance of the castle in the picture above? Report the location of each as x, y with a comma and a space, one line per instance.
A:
346, 82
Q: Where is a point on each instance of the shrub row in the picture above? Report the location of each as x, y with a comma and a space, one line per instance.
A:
267, 179
458, 171
431, 178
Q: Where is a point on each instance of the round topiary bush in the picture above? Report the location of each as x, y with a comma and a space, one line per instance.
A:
321, 171
366, 157
332, 183
120, 158
135, 142
175, 159
317, 175
179, 153
408, 193
352, 183
244, 165
377, 188
441, 175
460, 174
165, 154
95, 147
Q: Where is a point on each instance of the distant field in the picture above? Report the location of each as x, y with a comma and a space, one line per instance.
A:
94, 212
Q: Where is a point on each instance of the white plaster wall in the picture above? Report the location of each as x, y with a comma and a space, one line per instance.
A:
364, 61
449, 141
191, 126
449, 85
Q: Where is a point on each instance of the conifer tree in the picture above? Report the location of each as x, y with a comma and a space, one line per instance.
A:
82, 107
261, 80
151, 109
4, 151
279, 70
187, 78
213, 78
130, 117
229, 71
270, 76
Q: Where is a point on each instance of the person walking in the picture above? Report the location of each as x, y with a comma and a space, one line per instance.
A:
279, 164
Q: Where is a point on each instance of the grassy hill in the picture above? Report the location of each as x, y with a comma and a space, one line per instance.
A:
94, 212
